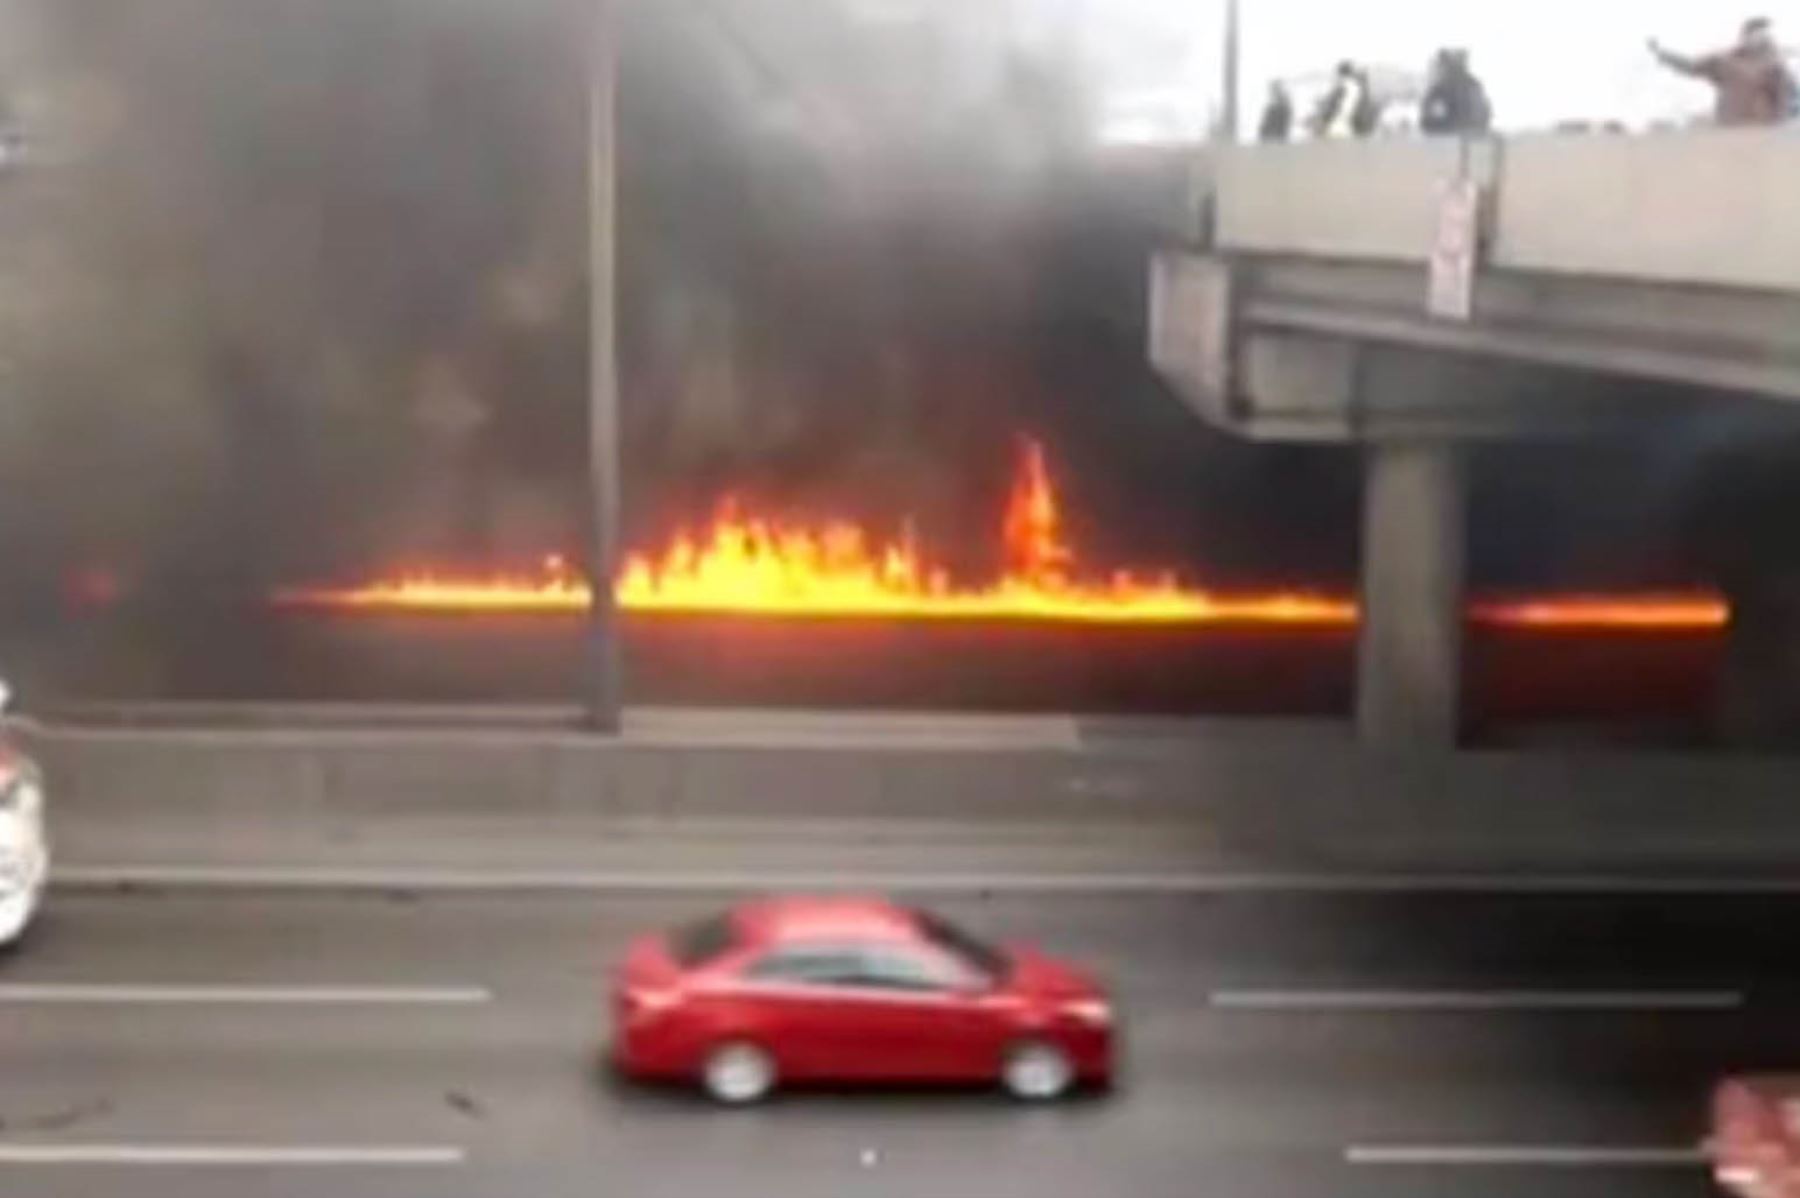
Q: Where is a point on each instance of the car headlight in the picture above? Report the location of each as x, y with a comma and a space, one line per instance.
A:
1089, 1010
642, 1004
23, 797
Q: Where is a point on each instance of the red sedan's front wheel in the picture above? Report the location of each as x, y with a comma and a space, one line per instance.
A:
1037, 1071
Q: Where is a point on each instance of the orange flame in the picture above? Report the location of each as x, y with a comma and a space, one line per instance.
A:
1621, 613
745, 565
1033, 531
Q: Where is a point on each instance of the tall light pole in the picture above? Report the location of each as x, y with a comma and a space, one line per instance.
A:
1230, 53
603, 676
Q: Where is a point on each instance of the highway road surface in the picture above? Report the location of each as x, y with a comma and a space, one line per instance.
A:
168, 1044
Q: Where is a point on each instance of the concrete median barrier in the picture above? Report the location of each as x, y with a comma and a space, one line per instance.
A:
1223, 798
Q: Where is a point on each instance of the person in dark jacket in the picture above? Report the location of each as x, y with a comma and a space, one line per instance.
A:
1751, 83
1278, 114
1456, 103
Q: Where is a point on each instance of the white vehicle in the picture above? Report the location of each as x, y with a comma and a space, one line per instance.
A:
24, 844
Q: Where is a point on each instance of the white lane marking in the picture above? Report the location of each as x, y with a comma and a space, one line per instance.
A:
1554, 1156
1376, 1001
107, 876
232, 1154
84, 994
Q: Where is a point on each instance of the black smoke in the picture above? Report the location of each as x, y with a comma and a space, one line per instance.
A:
310, 283
295, 289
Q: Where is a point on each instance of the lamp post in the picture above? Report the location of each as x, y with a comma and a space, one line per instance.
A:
603, 676
1230, 53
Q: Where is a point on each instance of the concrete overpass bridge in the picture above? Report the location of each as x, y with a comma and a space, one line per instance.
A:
1412, 296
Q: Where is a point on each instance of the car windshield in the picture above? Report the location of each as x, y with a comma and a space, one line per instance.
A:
704, 940
990, 962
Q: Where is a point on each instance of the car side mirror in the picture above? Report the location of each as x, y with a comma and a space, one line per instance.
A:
5, 696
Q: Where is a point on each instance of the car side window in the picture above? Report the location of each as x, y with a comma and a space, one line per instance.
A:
894, 968
861, 967
807, 966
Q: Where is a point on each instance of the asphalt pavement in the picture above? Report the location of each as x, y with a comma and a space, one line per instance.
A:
200, 1045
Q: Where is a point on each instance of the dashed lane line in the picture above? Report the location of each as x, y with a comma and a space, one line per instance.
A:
96, 994
251, 1155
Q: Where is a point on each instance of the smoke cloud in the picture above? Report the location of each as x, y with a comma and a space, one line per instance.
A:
295, 289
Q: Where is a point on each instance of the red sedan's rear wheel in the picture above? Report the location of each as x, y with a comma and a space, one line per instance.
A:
1037, 1071
737, 1073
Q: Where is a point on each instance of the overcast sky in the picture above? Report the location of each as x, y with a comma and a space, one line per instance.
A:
1543, 60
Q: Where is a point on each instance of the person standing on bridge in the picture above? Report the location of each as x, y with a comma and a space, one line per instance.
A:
1278, 114
1350, 108
1455, 103
1752, 84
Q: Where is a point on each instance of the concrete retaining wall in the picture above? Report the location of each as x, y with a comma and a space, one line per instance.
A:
1711, 208
1349, 199
1231, 801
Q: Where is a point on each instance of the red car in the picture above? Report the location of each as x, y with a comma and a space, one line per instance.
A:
807, 990
1755, 1144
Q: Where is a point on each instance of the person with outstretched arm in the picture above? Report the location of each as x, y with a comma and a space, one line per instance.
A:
1751, 83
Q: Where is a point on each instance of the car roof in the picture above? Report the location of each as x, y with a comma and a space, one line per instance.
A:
795, 920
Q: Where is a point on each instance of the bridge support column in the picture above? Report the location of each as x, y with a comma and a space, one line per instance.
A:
1409, 658
1758, 702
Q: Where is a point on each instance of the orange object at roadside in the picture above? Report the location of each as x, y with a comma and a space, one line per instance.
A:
1755, 1141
